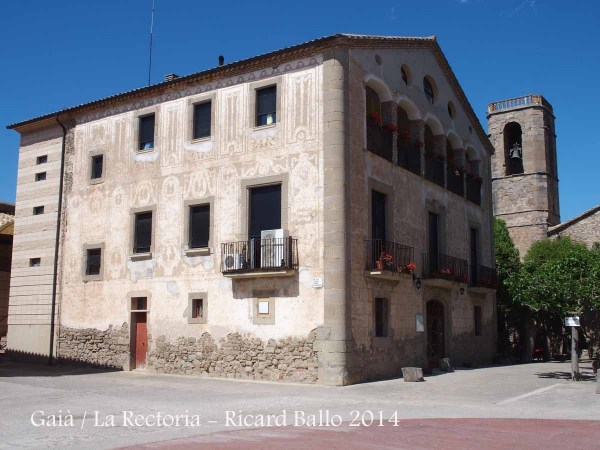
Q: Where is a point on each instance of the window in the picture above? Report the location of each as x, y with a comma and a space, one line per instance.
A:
143, 233
93, 261
41, 176
202, 113
139, 303
474, 238
429, 90
42, 159
197, 308
477, 312
35, 262
37, 210
513, 148
97, 166
381, 317
434, 240
378, 215
405, 72
451, 110
146, 137
199, 226
266, 106
265, 210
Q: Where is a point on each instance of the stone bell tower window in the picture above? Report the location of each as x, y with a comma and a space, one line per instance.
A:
513, 148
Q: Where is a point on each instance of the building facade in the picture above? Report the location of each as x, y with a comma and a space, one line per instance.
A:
318, 214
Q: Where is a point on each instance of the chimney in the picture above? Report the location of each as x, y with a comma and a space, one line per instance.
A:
221, 60
171, 76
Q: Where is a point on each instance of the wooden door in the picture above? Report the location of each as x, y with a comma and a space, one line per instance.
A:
141, 340
436, 344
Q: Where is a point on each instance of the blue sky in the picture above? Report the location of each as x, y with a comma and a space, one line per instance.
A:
61, 53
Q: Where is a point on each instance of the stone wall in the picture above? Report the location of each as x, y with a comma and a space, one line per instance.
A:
109, 348
237, 356
584, 228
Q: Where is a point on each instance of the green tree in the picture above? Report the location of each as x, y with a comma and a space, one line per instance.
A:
512, 316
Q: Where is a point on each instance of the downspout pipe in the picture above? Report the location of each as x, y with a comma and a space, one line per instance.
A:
57, 243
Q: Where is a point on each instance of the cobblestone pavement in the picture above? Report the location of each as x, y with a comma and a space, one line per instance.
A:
119, 409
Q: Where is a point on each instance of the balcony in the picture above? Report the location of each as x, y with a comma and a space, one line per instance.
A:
519, 102
455, 180
260, 258
380, 140
474, 189
434, 169
388, 260
409, 157
441, 269
483, 278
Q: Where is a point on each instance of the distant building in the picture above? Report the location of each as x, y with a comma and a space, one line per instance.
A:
525, 174
321, 213
7, 220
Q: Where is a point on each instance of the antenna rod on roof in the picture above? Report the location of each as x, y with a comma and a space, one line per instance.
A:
150, 57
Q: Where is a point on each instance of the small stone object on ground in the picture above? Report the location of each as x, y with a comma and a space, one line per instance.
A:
445, 365
411, 374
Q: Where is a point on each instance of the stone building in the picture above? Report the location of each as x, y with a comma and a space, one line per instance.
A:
320, 213
525, 174
7, 221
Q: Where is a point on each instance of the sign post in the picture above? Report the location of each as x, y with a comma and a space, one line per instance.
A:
573, 322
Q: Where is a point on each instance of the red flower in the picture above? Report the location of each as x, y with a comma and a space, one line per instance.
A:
390, 127
374, 117
404, 134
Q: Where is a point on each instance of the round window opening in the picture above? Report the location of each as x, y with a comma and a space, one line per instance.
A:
451, 110
428, 90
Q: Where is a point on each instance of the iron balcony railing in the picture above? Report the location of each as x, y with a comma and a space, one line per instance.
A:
455, 180
434, 169
259, 255
386, 255
445, 267
409, 156
380, 140
474, 189
482, 276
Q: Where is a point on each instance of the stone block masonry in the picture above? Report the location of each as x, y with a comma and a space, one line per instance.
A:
108, 348
236, 356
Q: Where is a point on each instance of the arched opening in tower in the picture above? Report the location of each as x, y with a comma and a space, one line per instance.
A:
513, 148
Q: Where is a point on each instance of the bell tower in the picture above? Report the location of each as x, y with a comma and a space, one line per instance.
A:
524, 171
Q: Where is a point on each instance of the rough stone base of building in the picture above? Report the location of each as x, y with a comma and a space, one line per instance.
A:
109, 348
237, 356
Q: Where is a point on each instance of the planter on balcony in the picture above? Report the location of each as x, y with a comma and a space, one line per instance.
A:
434, 169
385, 259
444, 267
380, 140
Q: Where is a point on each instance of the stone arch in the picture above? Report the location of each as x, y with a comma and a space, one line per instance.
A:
379, 86
473, 161
513, 148
409, 107
434, 124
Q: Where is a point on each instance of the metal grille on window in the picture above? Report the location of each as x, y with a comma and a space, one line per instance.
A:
266, 106
143, 232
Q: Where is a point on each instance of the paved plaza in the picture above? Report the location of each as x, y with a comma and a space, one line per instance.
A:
66, 407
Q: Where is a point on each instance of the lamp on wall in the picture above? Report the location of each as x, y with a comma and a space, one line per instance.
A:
461, 291
417, 281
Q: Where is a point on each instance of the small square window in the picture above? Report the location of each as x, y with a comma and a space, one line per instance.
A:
146, 132
139, 303
35, 262
41, 176
263, 307
197, 308
266, 106
37, 210
94, 261
97, 166
381, 317
42, 159
202, 119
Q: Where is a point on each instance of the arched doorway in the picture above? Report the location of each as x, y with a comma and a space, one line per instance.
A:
436, 333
